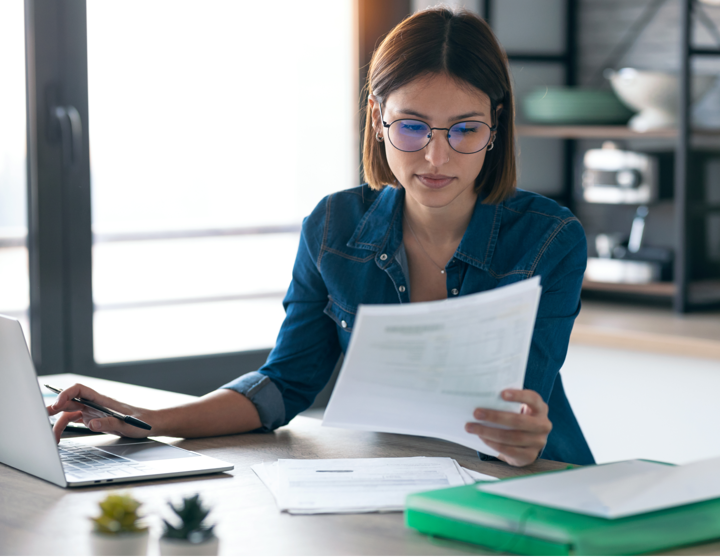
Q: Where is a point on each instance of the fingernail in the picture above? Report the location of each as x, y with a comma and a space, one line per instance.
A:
507, 395
479, 415
95, 424
467, 428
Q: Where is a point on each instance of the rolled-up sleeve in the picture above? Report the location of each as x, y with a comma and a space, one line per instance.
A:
265, 395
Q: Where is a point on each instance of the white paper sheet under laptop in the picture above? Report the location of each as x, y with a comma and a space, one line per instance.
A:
617, 489
28, 443
423, 368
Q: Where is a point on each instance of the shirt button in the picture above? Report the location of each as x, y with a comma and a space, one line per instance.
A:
454, 292
401, 288
383, 257
343, 323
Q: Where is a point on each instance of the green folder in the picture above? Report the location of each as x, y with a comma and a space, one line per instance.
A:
508, 525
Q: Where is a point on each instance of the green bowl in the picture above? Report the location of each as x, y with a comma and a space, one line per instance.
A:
574, 105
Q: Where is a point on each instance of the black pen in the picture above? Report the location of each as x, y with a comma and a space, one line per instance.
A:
125, 418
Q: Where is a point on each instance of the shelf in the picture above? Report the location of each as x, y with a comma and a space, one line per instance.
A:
605, 132
663, 289
700, 292
705, 292
699, 208
592, 132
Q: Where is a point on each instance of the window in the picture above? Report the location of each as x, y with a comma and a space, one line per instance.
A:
185, 142
210, 139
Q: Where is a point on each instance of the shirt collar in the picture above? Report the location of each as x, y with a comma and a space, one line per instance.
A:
380, 229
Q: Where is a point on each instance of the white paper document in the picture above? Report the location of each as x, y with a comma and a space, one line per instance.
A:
617, 489
308, 486
423, 368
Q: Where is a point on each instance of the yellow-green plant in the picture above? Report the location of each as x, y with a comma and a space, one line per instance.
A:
119, 515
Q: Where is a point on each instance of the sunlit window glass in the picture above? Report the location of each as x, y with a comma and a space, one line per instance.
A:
215, 127
14, 284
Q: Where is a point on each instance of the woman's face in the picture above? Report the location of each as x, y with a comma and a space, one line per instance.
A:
436, 176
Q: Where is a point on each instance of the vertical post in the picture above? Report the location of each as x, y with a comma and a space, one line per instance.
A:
487, 11
571, 28
376, 18
76, 194
681, 267
60, 238
571, 25
44, 158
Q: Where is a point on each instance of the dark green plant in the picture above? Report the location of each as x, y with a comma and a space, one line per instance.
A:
119, 515
191, 528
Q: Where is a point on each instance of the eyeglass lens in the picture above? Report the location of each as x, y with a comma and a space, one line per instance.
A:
464, 137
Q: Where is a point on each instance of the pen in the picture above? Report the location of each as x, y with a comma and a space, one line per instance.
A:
125, 418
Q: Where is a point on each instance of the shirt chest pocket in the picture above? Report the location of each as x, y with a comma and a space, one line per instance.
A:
343, 316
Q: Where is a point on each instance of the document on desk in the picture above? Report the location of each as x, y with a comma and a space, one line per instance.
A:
308, 486
423, 368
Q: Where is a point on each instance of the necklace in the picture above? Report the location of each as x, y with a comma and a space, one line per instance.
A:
442, 270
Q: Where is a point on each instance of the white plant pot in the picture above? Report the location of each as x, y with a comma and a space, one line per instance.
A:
176, 547
125, 544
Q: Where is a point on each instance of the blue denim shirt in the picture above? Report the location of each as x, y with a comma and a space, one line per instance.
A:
351, 252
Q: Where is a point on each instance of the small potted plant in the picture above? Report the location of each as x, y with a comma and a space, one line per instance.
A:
118, 530
190, 536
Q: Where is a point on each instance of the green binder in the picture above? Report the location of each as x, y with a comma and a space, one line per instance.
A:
507, 525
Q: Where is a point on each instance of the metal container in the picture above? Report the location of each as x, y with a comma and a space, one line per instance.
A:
611, 175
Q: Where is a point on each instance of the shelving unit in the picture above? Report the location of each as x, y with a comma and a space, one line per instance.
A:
692, 292
699, 292
693, 287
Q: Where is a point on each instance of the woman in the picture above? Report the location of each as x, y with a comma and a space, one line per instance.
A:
439, 217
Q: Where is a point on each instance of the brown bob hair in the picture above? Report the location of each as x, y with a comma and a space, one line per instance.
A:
461, 45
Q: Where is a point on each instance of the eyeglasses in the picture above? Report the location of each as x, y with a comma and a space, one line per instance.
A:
411, 135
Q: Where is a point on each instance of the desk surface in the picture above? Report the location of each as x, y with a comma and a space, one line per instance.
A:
37, 517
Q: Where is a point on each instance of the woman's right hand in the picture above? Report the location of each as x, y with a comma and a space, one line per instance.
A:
97, 421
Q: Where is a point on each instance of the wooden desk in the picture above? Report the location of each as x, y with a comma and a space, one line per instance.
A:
37, 517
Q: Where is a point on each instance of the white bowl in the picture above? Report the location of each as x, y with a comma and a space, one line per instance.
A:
655, 95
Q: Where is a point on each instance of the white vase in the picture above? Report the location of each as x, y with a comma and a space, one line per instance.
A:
655, 95
177, 547
124, 544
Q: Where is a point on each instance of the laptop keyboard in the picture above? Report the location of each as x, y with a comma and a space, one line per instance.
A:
84, 462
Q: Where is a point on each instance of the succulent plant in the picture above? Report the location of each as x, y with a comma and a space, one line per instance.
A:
119, 514
191, 528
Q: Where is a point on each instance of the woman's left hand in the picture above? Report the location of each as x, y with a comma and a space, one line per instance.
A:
525, 435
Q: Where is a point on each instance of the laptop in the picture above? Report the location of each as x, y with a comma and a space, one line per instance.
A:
27, 442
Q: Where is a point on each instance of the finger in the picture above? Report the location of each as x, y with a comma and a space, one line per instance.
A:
529, 397
78, 390
54, 408
62, 422
514, 438
517, 457
514, 421
111, 425
66, 395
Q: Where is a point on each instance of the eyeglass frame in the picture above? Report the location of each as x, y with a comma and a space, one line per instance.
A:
493, 128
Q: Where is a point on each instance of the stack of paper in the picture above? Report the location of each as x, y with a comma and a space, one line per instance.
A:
423, 368
307, 486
